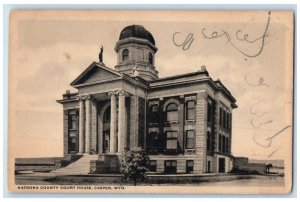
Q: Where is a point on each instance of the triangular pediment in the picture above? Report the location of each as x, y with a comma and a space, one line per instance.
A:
96, 73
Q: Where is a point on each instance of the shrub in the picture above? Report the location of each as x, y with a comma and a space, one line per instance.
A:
134, 166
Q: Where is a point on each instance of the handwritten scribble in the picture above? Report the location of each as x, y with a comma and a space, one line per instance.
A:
273, 152
213, 35
279, 132
262, 38
245, 37
261, 82
270, 139
256, 113
239, 36
186, 44
260, 124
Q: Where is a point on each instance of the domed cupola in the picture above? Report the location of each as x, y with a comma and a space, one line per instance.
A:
136, 50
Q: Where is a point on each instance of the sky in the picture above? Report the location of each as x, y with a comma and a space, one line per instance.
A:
48, 50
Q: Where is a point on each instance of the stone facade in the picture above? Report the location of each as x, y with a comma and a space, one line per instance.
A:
183, 121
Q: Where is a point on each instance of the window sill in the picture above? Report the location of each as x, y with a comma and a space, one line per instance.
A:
153, 151
189, 151
171, 151
172, 122
190, 121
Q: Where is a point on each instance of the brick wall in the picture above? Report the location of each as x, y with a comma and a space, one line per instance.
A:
127, 119
201, 114
141, 122
137, 121
181, 119
181, 162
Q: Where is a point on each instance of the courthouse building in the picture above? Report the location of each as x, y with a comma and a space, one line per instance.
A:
184, 122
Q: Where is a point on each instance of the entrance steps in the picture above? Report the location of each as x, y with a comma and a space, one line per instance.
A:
81, 166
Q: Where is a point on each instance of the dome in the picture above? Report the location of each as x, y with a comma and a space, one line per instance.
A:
137, 31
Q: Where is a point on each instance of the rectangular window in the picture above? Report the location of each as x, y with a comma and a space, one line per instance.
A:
220, 143
170, 167
154, 118
152, 166
72, 144
229, 125
220, 116
208, 141
227, 145
210, 110
106, 140
72, 121
208, 167
189, 166
72, 131
227, 120
224, 118
190, 139
172, 140
153, 144
172, 116
190, 110
223, 144
154, 108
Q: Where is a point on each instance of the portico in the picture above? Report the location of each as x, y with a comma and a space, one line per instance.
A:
87, 124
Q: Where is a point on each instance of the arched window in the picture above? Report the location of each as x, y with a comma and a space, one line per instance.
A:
106, 116
125, 55
172, 112
150, 58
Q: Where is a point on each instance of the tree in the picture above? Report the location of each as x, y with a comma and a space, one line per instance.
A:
134, 165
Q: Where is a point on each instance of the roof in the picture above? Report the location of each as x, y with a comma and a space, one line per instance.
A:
136, 31
99, 73
89, 71
217, 85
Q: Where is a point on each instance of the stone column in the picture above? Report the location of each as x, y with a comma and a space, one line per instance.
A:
93, 148
81, 124
113, 122
121, 121
88, 125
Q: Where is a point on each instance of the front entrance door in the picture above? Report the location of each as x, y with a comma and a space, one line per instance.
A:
221, 165
106, 141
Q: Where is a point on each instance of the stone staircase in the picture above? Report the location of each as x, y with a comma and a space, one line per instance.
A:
81, 166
